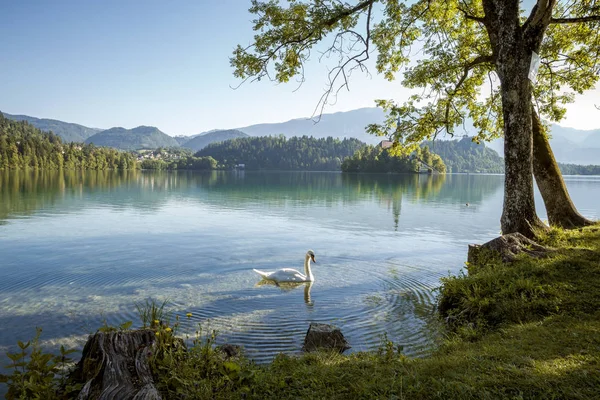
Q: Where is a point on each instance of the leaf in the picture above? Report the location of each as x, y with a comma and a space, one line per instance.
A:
125, 325
15, 356
22, 345
231, 366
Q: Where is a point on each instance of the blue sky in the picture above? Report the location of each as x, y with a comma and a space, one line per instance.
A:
160, 63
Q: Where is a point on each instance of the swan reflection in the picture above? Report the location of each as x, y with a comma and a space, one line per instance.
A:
289, 286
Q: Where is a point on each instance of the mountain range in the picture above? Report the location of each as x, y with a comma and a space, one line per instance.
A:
199, 142
68, 131
569, 145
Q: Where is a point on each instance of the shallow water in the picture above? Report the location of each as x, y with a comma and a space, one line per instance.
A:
77, 249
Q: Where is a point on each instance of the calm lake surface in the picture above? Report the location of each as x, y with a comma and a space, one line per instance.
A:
80, 248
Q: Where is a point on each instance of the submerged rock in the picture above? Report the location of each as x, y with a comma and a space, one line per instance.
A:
324, 337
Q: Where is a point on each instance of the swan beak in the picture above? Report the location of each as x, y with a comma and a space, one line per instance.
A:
313, 259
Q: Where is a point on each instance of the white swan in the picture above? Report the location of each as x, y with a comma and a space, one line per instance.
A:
291, 275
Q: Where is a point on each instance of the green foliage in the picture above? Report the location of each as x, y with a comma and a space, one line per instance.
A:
152, 312
23, 146
443, 48
194, 163
494, 294
154, 164
378, 159
39, 375
466, 155
279, 153
67, 131
201, 371
573, 169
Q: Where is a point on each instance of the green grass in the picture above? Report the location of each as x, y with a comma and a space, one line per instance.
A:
525, 330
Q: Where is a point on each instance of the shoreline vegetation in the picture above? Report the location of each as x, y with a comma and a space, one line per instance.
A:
526, 329
23, 146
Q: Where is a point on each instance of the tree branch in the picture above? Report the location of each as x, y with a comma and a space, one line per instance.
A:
472, 17
468, 67
359, 59
575, 20
350, 11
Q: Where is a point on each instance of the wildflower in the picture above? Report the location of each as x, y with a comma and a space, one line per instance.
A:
189, 315
156, 322
167, 329
157, 333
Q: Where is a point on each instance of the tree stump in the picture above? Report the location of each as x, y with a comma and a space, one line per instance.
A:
508, 246
324, 337
114, 365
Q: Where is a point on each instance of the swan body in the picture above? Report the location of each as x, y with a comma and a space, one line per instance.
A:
290, 274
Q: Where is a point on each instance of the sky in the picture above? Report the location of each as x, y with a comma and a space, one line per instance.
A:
164, 64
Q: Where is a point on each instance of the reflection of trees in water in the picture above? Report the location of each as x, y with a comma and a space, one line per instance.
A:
470, 188
389, 188
24, 192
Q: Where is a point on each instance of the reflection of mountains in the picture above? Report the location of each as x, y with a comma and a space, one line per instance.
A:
24, 192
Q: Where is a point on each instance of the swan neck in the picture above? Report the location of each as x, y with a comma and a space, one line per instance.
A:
307, 270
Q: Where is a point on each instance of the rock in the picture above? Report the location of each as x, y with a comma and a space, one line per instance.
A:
324, 337
114, 365
508, 246
230, 350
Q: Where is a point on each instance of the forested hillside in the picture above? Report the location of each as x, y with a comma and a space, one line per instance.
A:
197, 143
22, 146
69, 132
280, 153
142, 137
467, 156
378, 159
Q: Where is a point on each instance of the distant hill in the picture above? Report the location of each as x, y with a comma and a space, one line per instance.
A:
181, 139
573, 146
279, 153
68, 132
142, 137
199, 142
338, 125
24, 146
465, 155
569, 145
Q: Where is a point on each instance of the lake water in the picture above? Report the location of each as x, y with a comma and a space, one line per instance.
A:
80, 248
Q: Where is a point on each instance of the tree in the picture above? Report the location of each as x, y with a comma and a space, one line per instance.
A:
559, 207
475, 63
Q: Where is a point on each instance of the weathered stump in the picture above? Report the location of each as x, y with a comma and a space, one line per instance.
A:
508, 246
114, 365
324, 337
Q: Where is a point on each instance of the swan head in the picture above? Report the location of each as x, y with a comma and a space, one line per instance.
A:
311, 254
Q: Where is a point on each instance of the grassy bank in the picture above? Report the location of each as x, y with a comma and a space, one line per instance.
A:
530, 329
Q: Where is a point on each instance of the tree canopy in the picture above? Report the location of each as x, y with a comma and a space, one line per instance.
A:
469, 58
24, 146
442, 46
378, 159
278, 152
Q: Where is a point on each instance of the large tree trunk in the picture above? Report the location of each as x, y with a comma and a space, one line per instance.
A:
512, 64
559, 207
